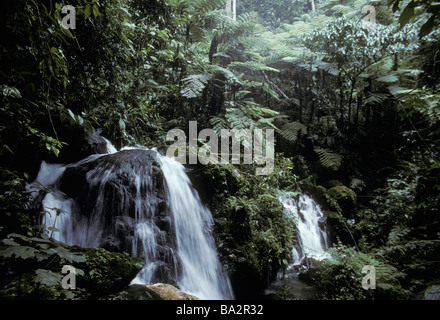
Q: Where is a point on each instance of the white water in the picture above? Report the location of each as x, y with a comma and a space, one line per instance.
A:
195, 255
201, 270
312, 236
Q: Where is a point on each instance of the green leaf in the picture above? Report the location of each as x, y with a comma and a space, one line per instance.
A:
407, 14
96, 12
9, 242
394, 90
63, 253
71, 114
47, 278
88, 10
40, 240
23, 252
427, 27
329, 159
7, 148
388, 78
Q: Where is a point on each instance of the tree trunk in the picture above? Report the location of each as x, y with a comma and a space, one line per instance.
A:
231, 6
350, 99
312, 112
359, 106
341, 98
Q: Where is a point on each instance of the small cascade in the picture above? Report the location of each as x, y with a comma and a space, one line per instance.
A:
139, 201
312, 238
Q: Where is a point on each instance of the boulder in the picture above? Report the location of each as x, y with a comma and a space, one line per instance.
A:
432, 293
346, 199
157, 291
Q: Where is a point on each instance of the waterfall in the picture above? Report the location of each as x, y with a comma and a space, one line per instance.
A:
142, 202
312, 236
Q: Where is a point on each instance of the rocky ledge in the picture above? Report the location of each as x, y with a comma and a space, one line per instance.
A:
157, 291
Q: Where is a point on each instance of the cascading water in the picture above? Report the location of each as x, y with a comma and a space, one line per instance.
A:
142, 202
312, 236
311, 243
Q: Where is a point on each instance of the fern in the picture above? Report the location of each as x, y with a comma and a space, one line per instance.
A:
253, 66
331, 68
329, 159
343, 10
194, 85
397, 233
238, 120
218, 124
357, 184
291, 130
205, 6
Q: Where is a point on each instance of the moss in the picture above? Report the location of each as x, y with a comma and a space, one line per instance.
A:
334, 183
107, 272
346, 198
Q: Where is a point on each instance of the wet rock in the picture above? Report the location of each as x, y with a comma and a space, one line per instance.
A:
432, 293
346, 199
158, 291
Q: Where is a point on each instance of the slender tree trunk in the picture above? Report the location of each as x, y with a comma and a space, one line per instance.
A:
312, 112
367, 91
350, 99
231, 6
300, 99
341, 98
359, 106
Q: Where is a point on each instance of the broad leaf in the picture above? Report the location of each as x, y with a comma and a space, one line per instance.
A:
47, 278
22, 252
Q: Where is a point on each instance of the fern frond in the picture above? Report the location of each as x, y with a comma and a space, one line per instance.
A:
218, 124
290, 130
253, 66
329, 159
357, 183
207, 5
238, 120
397, 233
331, 68
343, 10
194, 85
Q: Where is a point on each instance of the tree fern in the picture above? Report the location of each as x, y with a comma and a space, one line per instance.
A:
344, 10
397, 233
291, 130
237, 120
218, 124
205, 6
329, 159
193, 85
252, 66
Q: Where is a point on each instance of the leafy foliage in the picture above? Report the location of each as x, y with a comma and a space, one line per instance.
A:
329, 159
340, 277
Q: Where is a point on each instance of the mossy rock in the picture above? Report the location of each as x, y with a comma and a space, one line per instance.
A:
346, 199
318, 193
107, 272
334, 183
335, 224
